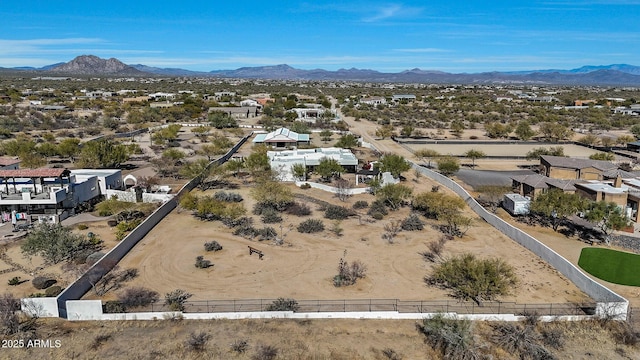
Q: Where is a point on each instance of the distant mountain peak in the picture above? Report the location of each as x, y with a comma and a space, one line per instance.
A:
93, 65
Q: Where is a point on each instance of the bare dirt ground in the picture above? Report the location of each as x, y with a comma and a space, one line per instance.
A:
303, 268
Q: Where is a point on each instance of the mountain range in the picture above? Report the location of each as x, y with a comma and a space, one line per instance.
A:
616, 74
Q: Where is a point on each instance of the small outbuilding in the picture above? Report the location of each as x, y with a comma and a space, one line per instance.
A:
516, 204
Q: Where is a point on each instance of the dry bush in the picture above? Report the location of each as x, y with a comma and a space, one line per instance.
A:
265, 352
197, 341
434, 250
311, 226
392, 228
334, 212
270, 216
360, 204
99, 340
282, 304
412, 223
212, 246
452, 338
201, 263
9, 321
137, 296
348, 274
240, 346
522, 340
176, 299
299, 209
391, 354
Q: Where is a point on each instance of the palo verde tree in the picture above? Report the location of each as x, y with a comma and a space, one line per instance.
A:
56, 243
393, 195
428, 154
470, 278
222, 120
556, 206
395, 164
273, 194
607, 216
445, 208
103, 154
523, 131
348, 141
328, 167
448, 165
492, 195
474, 154
385, 131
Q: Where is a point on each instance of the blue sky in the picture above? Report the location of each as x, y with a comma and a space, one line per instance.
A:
453, 36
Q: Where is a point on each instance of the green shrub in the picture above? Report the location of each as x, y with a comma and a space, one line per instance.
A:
53, 291
360, 204
137, 296
334, 212
379, 207
311, 226
212, 246
176, 299
201, 263
299, 209
15, 281
82, 226
42, 282
282, 304
412, 223
305, 186
113, 307
270, 217
266, 233
227, 196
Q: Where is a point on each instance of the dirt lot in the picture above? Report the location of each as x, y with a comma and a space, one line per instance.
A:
304, 266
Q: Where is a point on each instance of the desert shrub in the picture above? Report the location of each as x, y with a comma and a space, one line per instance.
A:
378, 207
246, 231
299, 209
474, 279
625, 334
15, 281
519, 339
241, 221
113, 206
227, 196
262, 207
42, 282
391, 354
553, 338
311, 226
240, 346
9, 320
334, 212
434, 251
53, 291
265, 352
212, 246
82, 227
93, 258
360, 204
197, 341
452, 338
137, 296
305, 186
176, 299
270, 216
412, 223
282, 304
266, 233
377, 216
99, 340
113, 307
201, 263
348, 274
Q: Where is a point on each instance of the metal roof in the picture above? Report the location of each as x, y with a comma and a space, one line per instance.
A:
34, 173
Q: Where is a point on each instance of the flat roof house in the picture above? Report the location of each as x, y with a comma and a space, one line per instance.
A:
282, 161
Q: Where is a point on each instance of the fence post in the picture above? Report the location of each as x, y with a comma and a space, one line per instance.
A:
499, 303
344, 305
234, 305
550, 310
369, 305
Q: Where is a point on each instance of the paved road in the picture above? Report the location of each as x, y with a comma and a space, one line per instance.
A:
476, 178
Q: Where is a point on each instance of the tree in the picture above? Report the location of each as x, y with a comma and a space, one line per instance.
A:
448, 165
635, 130
56, 243
497, 130
393, 195
407, 130
589, 139
325, 135
523, 131
557, 205
427, 154
222, 120
457, 128
554, 131
474, 154
201, 132
257, 162
384, 131
299, 171
474, 279
492, 194
624, 140
104, 153
395, 164
535, 153
607, 141
69, 148
234, 165
328, 167
348, 141
445, 208
607, 156
272, 193
607, 216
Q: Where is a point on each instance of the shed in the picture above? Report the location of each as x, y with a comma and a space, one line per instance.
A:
516, 204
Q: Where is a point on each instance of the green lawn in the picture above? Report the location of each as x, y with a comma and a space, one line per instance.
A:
613, 266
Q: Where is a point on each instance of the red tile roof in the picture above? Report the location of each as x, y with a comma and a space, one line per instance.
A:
33, 173
5, 161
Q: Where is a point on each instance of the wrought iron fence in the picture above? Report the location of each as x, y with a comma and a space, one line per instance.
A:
373, 305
